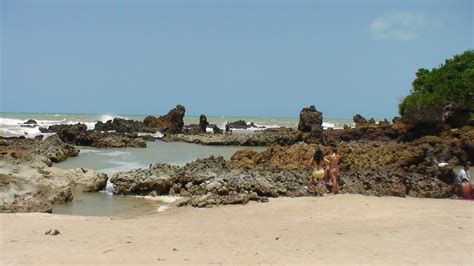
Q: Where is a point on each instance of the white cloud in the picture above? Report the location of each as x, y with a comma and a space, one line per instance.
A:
398, 26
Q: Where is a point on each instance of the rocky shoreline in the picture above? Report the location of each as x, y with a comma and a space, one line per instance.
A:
29, 183
382, 159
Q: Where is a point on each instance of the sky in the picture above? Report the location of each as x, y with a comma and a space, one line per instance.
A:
241, 58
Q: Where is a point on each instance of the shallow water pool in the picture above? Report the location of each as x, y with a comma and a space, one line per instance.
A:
111, 161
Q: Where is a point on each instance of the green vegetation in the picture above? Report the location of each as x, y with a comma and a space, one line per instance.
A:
451, 82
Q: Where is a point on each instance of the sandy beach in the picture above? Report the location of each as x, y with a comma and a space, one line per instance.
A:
343, 229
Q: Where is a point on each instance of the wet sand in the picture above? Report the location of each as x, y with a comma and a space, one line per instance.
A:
343, 229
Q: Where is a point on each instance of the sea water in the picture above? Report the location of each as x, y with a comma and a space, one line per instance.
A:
111, 161
11, 124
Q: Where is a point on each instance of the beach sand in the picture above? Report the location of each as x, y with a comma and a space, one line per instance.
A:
342, 229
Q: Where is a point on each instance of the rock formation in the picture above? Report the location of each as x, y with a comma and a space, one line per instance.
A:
171, 123
281, 136
311, 121
203, 123
28, 184
123, 126
79, 135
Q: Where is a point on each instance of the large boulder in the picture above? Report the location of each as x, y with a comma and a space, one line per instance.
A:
171, 123
203, 123
157, 178
310, 119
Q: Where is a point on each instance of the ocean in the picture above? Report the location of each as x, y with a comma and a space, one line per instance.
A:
11, 123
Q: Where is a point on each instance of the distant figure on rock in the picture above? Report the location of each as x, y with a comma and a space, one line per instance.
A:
334, 169
464, 180
318, 165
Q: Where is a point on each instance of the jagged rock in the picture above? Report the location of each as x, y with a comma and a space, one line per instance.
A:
52, 147
311, 122
79, 135
171, 123
359, 120
158, 178
310, 119
123, 126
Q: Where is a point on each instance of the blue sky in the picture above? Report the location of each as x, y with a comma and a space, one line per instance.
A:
249, 58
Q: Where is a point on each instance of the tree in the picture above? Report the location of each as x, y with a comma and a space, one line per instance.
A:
451, 82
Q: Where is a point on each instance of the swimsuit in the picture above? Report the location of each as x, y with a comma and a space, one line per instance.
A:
318, 174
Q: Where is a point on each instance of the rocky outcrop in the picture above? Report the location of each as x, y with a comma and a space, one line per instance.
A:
171, 123
28, 184
359, 120
381, 169
79, 135
454, 116
123, 126
203, 123
311, 121
158, 178
208, 182
241, 124
281, 136
52, 147
31, 122
195, 129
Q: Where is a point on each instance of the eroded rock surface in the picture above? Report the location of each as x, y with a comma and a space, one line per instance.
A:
29, 184
171, 123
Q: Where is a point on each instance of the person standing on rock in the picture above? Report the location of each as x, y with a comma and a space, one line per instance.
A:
334, 169
464, 180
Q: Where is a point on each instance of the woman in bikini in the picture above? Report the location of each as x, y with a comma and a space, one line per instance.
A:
318, 164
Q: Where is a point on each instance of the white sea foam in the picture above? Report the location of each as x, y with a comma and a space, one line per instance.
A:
158, 134
165, 199
116, 154
163, 208
85, 151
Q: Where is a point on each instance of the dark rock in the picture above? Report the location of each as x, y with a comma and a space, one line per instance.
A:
52, 232
203, 123
216, 129
123, 126
171, 123
310, 119
359, 120
79, 135
30, 122
455, 116
241, 124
